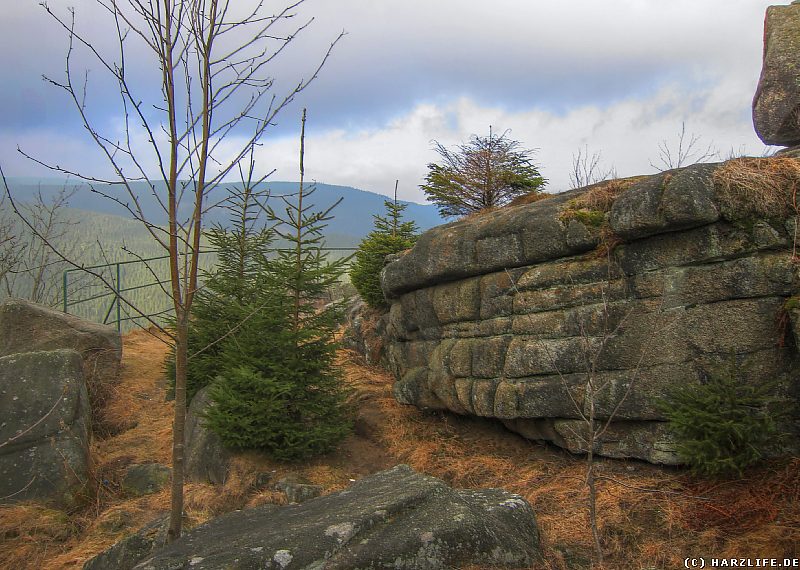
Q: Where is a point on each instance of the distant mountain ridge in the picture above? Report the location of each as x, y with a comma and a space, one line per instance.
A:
352, 220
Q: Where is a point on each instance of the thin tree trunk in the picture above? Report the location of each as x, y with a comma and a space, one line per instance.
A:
178, 427
590, 484
591, 437
298, 244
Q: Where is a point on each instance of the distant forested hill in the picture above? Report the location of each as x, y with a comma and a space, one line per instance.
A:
352, 218
97, 231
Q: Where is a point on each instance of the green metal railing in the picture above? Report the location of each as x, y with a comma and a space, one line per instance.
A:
115, 290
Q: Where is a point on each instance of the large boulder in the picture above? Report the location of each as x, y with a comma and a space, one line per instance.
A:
393, 519
44, 427
776, 106
206, 459
26, 327
504, 315
125, 554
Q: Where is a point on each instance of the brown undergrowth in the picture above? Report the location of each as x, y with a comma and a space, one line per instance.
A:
530, 198
649, 517
759, 186
591, 207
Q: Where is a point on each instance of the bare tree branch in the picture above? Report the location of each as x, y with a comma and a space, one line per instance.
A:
685, 150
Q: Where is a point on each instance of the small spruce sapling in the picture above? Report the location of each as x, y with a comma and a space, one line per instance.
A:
390, 235
289, 401
724, 424
237, 295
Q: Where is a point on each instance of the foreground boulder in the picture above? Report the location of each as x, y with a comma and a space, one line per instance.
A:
125, 554
646, 283
776, 106
26, 327
44, 427
393, 519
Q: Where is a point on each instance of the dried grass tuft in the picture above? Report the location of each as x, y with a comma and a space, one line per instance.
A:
29, 532
601, 196
765, 187
591, 207
530, 198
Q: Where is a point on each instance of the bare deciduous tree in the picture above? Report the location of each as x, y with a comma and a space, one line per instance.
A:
596, 334
28, 263
686, 150
10, 245
36, 261
213, 87
586, 168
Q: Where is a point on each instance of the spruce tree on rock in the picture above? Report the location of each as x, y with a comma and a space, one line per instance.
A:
486, 172
391, 235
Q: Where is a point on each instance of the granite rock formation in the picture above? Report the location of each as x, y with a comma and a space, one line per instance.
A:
44, 427
646, 283
364, 331
207, 460
27, 327
776, 106
393, 519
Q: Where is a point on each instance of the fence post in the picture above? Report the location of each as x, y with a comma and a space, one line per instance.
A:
64, 288
119, 288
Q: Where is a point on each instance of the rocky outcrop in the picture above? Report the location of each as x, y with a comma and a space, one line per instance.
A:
297, 490
393, 519
364, 331
645, 284
26, 327
776, 106
207, 460
125, 554
44, 427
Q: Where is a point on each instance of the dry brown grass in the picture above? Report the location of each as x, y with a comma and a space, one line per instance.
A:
530, 198
649, 517
601, 196
765, 187
591, 208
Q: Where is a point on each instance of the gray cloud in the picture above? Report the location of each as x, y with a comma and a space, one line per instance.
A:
558, 73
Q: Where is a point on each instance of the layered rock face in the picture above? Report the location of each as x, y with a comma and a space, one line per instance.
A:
644, 284
776, 106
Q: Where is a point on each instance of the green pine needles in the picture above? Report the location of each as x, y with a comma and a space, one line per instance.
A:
391, 235
726, 424
260, 337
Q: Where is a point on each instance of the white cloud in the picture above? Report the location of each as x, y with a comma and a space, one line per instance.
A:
627, 133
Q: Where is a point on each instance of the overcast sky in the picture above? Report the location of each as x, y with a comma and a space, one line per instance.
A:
616, 77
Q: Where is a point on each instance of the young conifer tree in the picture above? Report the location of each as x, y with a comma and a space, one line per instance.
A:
390, 235
237, 295
286, 397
